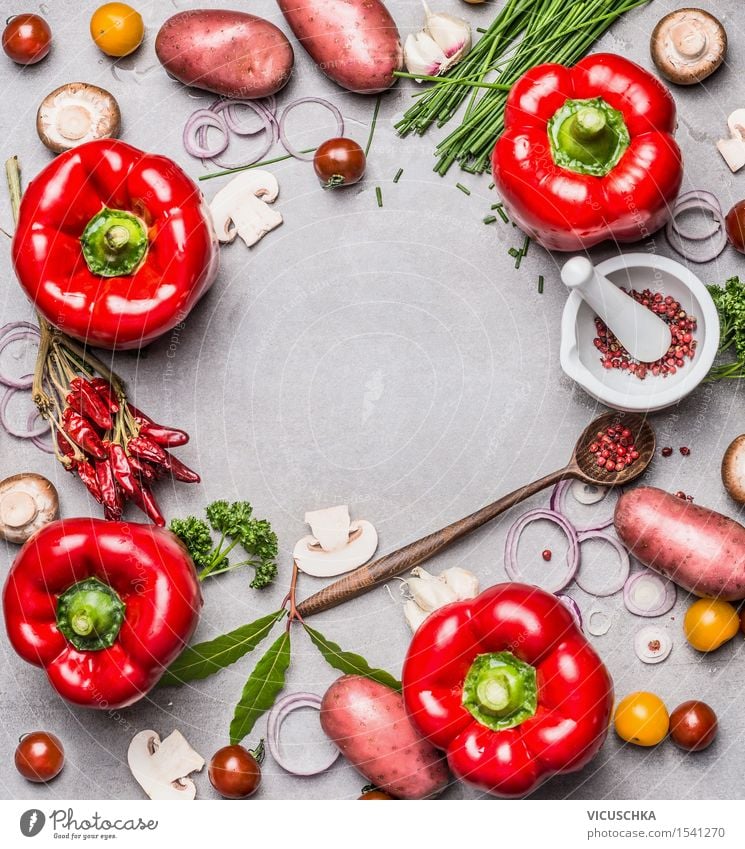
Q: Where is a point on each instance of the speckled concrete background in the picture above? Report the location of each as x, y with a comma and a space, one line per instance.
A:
391, 359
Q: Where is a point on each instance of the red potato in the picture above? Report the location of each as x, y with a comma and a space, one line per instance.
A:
354, 42
699, 549
368, 723
230, 53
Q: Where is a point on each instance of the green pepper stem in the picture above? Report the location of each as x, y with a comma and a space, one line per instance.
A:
90, 614
114, 243
500, 690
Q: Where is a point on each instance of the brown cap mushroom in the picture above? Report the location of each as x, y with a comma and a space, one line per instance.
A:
76, 113
27, 503
733, 469
688, 45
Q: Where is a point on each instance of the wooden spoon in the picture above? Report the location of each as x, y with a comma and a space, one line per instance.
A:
582, 466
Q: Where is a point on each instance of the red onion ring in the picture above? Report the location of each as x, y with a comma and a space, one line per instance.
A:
29, 434
195, 134
667, 594
39, 441
716, 240
27, 380
281, 710
307, 157
556, 503
19, 325
623, 556
513, 539
225, 110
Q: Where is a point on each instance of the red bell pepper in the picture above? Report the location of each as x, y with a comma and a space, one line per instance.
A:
509, 687
588, 153
114, 246
103, 607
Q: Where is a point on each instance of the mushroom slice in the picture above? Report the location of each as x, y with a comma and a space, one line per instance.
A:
330, 526
76, 113
688, 45
162, 767
27, 502
243, 203
733, 148
311, 558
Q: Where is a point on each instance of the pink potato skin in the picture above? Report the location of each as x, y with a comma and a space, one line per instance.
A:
233, 54
368, 723
699, 549
354, 42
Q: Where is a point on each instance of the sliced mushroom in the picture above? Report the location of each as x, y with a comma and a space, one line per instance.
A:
162, 767
243, 204
27, 502
733, 148
733, 469
76, 113
688, 45
337, 545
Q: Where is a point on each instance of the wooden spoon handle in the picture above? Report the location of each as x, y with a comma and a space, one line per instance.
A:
379, 571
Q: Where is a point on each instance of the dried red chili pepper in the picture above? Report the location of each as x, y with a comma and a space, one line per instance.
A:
84, 399
166, 437
87, 474
143, 470
111, 496
145, 500
82, 432
121, 469
180, 471
145, 449
106, 393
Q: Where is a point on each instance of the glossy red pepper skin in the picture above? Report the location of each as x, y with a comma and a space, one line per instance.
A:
567, 211
114, 312
152, 574
574, 689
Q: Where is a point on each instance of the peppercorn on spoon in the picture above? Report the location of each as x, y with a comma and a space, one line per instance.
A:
582, 466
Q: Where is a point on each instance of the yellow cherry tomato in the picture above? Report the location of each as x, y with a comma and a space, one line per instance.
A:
709, 623
117, 29
642, 719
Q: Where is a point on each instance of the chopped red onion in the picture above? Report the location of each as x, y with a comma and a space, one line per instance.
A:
513, 539
624, 561
647, 594
281, 710
307, 157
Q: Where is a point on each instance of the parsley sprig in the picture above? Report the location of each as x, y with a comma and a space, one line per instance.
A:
236, 526
730, 303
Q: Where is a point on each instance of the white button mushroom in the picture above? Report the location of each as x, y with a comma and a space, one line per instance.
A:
27, 502
337, 544
162, 767
243, 204
733, 148
688, 45
76, 113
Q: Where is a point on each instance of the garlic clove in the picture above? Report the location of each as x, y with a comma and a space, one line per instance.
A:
461, 582
430, 595
414, 615
423, 56
452, 35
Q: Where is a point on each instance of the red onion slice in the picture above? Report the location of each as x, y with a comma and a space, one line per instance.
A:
647, 594
281, 710
26, 434
557, 504
27, 380
19, 325
598, 623
195, 134
513, 539
624, 561
711, 245
39, 441
307, 157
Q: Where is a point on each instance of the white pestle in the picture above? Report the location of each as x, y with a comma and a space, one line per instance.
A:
643, 334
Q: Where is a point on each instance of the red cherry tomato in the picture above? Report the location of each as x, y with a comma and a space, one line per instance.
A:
693, 726
27, 39
235, 772
39, 756
370, 795
339, 162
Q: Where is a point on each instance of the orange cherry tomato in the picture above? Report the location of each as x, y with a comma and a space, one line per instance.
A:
117, 29
642, 719
709, 623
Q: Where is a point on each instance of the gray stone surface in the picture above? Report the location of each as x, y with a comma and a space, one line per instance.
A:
388, 358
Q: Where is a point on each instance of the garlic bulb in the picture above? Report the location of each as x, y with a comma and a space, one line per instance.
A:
442, 43
431, 592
